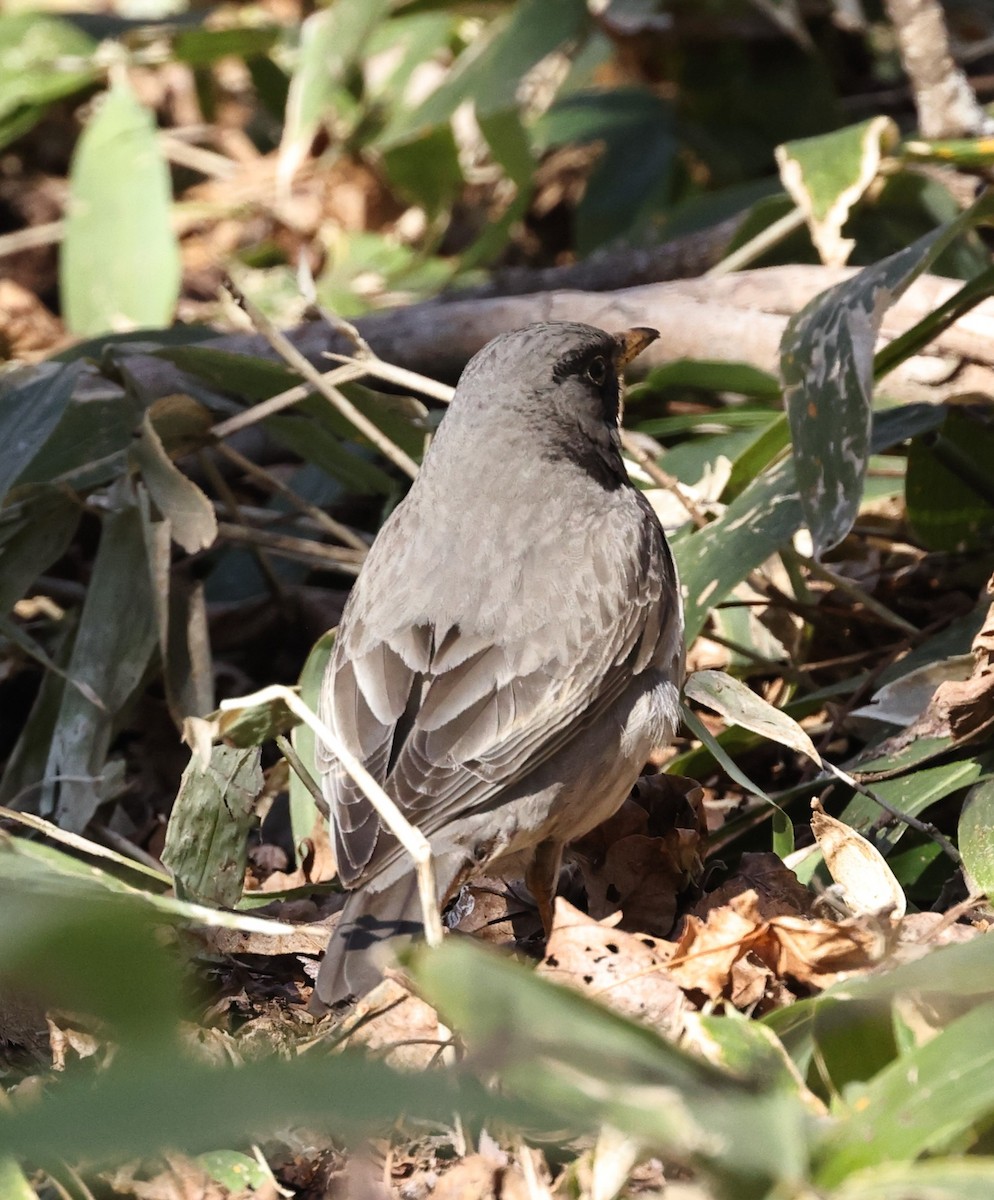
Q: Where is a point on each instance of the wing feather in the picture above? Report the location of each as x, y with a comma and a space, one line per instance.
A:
446, 719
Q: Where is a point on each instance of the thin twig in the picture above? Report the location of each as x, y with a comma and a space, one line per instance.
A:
661, 478
276, 404
305, 777
765, 240
272, 484
293, 357
400, 376
411, 838
230, 502
31, 238
923, 827
306, 550
855, 592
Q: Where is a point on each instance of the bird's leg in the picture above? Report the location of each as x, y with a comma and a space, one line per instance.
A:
542, 879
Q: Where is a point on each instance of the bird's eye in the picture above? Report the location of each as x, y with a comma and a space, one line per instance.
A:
597, 371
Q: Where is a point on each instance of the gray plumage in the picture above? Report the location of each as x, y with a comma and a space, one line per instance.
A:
512, 649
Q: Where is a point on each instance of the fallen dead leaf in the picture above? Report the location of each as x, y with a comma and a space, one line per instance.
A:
626, 971
866, 882
400, 1026
640, 859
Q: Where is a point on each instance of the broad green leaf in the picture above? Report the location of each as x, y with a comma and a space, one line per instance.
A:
976, 835
426, 169
740, 705
963, 972
331, 43
31, 405
924, 1102
88, 446
489, 71
826, 360
120, 264
763, 518
303, 813
710, 376
956, 1178
77, 947
247, 376
42, 58
13, 1183
633, 176
32, 537
203, 47
914, 791
586, 1065
207, 836
348, 1095
827, 175
110, 654
950, 486
236, 1172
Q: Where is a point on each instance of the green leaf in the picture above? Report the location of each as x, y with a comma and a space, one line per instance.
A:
236, 1172
956, 1178
826, 359
827, 175
490, 70
207, 836
32, 537
916, 790
583, 1064
247, 376
32, 402
976, 835
634, 174
761, 519
120, 264
203, 47
89, 444
74, 946
42, 58
110, 654
303, 812
922, 1103
949, 487
196, 1107
331, 43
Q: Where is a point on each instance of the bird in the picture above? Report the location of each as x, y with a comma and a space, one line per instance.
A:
511, 651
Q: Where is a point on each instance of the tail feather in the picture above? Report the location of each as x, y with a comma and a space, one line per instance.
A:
373, 927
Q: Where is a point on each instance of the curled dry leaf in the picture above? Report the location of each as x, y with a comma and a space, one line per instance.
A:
726, 955
626, 971
866, 882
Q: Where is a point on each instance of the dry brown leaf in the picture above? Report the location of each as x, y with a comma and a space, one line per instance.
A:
183, 1179
643, 856
777, 889
626, 971
866, 882
735, 948
397, 1024
477, 1176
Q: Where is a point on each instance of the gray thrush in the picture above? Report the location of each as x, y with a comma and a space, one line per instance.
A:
512, 649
